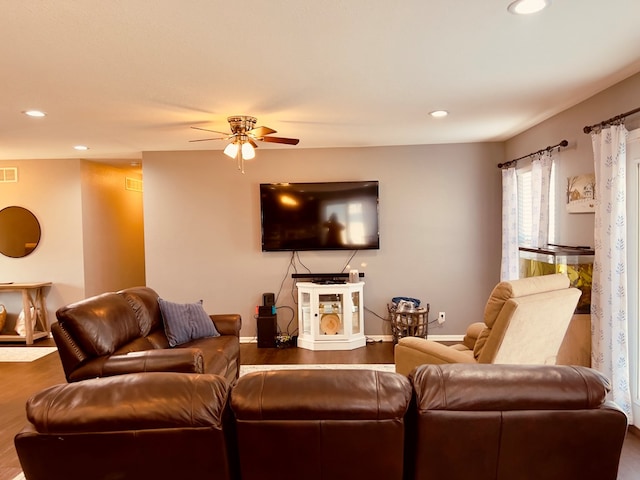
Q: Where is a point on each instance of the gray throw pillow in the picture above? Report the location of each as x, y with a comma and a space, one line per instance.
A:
184, 322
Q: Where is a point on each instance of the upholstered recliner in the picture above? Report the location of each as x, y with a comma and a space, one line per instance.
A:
525, 322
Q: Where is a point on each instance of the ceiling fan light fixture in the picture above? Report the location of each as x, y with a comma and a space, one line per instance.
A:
527, 7
243, 137
248, 152
231, 150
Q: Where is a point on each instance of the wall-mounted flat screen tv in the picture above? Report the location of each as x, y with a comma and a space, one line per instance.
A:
319, 216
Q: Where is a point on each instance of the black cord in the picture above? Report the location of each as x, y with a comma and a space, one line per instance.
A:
286, 275
349, 261
300, 261
375, 314
293, 316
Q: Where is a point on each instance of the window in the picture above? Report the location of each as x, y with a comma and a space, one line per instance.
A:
633, 261
525, 207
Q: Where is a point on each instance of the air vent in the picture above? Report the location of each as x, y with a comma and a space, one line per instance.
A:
8, 174
133, 184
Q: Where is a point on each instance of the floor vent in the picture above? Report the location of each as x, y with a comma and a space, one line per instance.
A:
133, 184
8, 174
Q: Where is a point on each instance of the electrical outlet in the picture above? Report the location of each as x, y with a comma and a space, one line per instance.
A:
441, 318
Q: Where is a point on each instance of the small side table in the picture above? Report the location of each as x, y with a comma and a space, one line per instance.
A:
413, 323
32, 296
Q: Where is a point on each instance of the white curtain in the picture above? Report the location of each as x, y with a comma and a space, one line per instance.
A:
609, 329
509, 269
540, 184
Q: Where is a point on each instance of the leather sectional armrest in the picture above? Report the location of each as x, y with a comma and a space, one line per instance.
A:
227, 323
183, 360
138, 401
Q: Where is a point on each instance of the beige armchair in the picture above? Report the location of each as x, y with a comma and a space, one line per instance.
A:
525, 322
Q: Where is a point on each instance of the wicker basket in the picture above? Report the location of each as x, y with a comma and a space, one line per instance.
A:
409, 324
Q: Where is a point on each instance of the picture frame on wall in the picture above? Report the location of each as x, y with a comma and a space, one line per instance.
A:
581, 190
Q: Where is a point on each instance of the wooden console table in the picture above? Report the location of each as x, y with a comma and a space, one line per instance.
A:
32, 296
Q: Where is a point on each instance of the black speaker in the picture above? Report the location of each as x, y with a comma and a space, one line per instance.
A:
268, 299
267, 331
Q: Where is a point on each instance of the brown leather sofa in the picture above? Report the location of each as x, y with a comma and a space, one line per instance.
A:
123, 332
454, 421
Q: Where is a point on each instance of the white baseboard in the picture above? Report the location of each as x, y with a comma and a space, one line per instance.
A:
383, 338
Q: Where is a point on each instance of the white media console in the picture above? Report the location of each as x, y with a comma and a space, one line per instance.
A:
330, 316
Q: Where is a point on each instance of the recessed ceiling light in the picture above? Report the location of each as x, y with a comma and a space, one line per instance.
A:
439, 113
526, 7
34, 113
81, 147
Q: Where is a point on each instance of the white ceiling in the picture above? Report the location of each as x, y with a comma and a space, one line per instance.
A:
127, 76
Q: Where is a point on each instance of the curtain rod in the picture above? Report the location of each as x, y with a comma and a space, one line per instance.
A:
563, 143
611, 121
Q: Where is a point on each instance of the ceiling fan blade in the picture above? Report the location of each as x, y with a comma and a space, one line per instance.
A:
261, 131
253, 144
213, 131
288, 141
207, 139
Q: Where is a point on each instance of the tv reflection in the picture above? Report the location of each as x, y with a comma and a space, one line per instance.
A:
334, 232
345, 224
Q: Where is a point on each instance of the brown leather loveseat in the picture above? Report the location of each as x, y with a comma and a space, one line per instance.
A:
499, 422
124, 332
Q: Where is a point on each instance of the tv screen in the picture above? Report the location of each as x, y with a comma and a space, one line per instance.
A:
319, 216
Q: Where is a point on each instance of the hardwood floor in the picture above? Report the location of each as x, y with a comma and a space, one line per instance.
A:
21, 380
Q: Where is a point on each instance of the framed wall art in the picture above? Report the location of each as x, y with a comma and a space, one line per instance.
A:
581, 191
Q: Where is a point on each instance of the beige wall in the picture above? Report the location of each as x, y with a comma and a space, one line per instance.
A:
85, 244
113, 229
577, 158
51, 190
439, 228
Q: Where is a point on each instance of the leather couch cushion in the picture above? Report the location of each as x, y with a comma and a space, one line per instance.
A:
321, 394
136, 401
91, 324
498, 387
144, 302
338, 425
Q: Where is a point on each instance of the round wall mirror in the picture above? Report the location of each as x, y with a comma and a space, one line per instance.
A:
19, 232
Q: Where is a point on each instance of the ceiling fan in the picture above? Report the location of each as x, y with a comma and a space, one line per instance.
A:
243, 137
